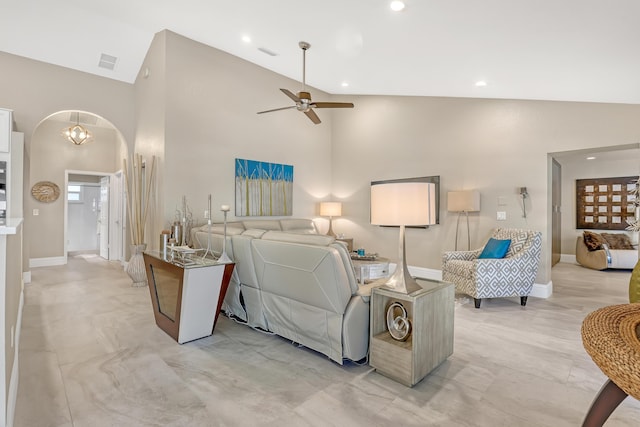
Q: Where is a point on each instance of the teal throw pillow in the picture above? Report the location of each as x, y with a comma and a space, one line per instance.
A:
495, 249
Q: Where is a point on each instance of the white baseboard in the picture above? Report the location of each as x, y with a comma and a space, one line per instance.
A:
427, 273
12, 393
26, 276
568, 258
540, 290
47, 262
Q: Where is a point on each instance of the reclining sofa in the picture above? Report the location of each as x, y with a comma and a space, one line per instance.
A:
293, 282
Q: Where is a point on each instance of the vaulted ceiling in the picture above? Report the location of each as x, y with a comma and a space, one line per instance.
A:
570, 50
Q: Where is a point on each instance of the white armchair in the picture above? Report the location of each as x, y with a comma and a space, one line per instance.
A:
510, 276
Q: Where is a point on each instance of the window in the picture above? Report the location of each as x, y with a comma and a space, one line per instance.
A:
74, 193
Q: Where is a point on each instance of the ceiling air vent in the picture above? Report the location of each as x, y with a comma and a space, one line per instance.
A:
267, 51
107, 61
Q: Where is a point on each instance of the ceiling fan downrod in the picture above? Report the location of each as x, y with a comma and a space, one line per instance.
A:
304, 46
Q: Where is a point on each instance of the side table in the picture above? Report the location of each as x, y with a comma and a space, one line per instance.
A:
186, 297
370, 270
430, 311
348, 241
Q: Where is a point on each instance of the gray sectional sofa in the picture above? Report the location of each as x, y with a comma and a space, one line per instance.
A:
296, 283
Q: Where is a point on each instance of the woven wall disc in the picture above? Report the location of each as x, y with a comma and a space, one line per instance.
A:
45, 191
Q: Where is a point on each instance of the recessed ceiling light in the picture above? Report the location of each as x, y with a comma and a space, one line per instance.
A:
396, 5
345, 84
481, 83
591, 158
246, 39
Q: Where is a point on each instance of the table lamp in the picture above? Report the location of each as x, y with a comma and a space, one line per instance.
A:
330, 209
402, 203
463, 201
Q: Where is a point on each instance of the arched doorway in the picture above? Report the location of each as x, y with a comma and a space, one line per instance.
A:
54, 158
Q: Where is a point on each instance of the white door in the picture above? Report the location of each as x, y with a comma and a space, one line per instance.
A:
116, 218
103, 217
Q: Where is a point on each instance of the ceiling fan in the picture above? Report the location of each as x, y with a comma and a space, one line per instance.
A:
303, 99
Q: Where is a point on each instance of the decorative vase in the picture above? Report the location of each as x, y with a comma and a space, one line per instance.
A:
136, 269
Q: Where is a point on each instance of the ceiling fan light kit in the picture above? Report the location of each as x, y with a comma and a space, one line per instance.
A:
302, 99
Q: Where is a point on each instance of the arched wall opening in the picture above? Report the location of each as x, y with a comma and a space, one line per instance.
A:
53, 158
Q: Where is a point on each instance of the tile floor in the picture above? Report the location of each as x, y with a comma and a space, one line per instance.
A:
91, 355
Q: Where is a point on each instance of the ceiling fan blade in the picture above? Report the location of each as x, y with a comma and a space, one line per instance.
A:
277, 109
333, 105
313, 116
290, 95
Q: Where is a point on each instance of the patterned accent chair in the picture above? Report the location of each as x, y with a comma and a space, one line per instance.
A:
510, 276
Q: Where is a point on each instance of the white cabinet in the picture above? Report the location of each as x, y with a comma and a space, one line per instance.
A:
11, 170
5, 130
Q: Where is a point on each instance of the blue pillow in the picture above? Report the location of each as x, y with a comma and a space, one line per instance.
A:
495, 249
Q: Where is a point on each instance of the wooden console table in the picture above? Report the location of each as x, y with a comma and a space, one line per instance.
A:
186, 298
430, 311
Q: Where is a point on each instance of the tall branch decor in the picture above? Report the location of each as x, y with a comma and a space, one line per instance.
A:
138, 189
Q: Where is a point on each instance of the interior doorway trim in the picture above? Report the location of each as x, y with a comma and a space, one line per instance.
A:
116, 222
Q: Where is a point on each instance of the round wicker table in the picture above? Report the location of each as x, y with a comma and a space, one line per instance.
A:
611, 336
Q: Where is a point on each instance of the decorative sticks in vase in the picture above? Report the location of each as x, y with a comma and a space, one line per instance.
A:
136, 189
138, 216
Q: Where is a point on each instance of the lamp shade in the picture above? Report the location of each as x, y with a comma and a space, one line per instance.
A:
463, 201
331, 208
403, 203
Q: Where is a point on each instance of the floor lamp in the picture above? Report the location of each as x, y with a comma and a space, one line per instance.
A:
463, 201
400, 204
331, 209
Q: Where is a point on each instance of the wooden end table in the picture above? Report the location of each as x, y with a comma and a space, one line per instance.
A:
430, 311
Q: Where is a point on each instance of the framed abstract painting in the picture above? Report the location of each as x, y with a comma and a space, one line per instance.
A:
263, 188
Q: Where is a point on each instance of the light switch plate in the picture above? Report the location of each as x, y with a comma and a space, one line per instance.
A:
502, 216
36, 212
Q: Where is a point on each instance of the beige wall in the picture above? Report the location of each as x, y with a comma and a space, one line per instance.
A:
196, 111
150, 95
210, 101
34, 90
577, 167
51, 156
494, 146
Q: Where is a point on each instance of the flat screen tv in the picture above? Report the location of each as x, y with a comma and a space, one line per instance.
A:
432, 179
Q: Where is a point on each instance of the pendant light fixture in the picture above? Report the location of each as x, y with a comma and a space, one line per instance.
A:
77, 134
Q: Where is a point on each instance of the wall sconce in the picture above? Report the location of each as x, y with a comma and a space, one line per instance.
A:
331, 209
463, 201
524, 194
